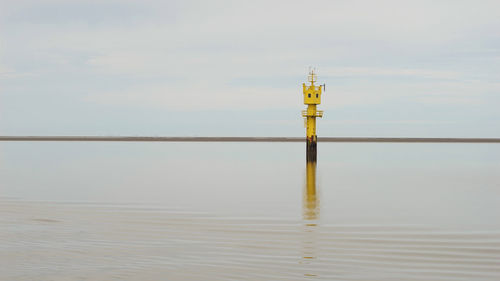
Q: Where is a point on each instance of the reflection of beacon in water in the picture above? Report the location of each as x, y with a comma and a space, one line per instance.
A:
311, 204
312, 97
310, 216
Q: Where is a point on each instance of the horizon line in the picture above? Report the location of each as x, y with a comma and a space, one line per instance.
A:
246, 139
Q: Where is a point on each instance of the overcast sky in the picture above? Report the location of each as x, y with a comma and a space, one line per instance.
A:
235, 68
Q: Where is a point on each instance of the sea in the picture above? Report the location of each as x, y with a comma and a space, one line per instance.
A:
249, 211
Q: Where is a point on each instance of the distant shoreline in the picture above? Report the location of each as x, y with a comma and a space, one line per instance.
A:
245, 139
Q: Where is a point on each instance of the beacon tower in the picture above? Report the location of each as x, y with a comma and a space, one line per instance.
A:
312, 97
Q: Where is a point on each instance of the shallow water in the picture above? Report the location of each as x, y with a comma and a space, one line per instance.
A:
243, 211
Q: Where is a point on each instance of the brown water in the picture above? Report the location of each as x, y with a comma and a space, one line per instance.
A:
249, 212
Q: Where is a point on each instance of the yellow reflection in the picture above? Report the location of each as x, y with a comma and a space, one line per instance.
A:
310, 214
310, 201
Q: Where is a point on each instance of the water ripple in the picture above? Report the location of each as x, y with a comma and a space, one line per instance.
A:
45, 241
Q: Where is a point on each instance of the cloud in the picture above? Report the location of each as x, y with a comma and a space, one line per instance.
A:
386, 122
193, 98
251, 55
389, 72
9, 73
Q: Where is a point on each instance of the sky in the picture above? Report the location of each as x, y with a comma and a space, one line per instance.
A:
235, 68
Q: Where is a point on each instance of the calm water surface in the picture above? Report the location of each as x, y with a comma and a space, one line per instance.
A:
249, 211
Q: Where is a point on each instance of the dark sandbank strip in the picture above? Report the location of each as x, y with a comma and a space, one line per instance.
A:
247, 139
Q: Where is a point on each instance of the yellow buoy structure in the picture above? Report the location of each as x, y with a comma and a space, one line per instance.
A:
312, 97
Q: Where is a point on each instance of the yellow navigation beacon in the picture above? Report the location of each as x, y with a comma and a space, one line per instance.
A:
312, 97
